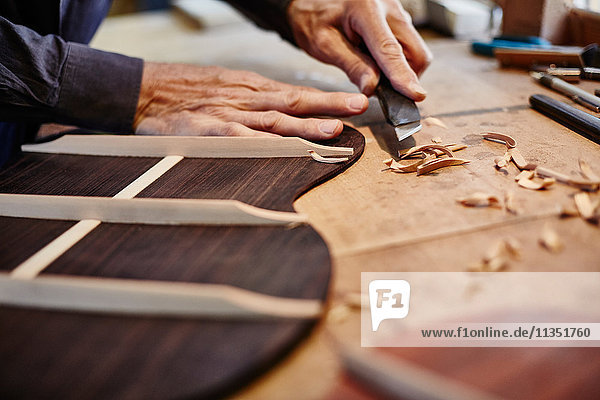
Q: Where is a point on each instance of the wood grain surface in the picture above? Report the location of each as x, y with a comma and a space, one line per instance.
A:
62, 355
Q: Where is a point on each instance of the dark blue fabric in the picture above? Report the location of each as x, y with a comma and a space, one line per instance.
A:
48, 74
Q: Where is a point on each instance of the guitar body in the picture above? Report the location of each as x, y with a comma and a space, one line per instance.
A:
55, 354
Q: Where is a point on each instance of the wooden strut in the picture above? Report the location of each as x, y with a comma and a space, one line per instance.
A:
143, 211
150, 298
35, 264
191, 147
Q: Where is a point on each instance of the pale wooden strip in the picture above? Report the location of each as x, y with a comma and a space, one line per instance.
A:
35, 264
143, 211
186, 146
396, 378
148, 177
150, 298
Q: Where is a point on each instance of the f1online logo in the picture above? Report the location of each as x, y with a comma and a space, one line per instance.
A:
389, 299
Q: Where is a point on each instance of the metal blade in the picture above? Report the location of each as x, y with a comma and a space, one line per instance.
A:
400, 111
404, 131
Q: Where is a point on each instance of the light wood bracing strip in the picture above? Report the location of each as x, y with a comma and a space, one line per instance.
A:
35, 264
400, 379
190, 147
150, 298
143, 211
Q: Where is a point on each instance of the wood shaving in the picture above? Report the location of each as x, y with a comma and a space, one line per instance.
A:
439, 163
413, 151
328, 160
509, 203
503, 161
437, 140
536, 184
586, 208
587, 172
524, 175
499, 255
404, 168
434, 121
480, 199
550, 240
520, 161
578, 183
509, 141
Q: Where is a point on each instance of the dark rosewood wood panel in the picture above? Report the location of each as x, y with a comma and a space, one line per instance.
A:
273, 185
57, 174
69, 355
22, 237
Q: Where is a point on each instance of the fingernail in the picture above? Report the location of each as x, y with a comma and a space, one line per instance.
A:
356, 102
329, 127
415, 87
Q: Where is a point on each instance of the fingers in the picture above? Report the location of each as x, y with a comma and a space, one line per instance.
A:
387, 51
190, 125
416, 51
333, 48
286, 125
300, 102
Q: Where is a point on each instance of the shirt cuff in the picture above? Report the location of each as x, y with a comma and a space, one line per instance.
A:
98, 89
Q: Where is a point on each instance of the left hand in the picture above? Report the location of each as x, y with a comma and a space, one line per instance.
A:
334, 30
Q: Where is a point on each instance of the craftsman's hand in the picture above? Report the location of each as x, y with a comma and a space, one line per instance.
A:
334, 31
177, 99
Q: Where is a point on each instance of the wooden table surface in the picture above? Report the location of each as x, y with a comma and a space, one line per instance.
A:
379, 221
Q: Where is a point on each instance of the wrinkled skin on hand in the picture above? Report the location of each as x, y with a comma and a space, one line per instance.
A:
334, 31
178, 99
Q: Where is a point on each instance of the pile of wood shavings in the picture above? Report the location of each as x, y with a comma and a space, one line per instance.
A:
498, 256
426, 158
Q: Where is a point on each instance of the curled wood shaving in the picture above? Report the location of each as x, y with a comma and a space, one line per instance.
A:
499, 255
550, 240
536, 185
400, 168
520, 161
339, 314
439, 163
479, 199
578, 183
587, 172
437, 139
434, 121
585, 206
420, 149
509, 141
328, 160
503, 161
524, 175
509, 203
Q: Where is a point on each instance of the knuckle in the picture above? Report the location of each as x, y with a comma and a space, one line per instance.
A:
294, 100
391, 48
231, 129
270, 121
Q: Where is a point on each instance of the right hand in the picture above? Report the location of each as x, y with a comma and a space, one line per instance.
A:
178, 99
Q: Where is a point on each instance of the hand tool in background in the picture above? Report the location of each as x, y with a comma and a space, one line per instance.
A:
576, 94
400, 111
511, 42
574, 119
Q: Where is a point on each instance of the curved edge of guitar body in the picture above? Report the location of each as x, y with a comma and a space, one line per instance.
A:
55, 354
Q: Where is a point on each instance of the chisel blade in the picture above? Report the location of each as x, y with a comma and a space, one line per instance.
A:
400, 111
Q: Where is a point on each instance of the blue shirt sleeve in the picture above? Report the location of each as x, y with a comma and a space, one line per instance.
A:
46, 79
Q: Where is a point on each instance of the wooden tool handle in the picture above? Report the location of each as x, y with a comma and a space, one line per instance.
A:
574, 119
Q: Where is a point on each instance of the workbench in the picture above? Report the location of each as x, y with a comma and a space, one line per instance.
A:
376, 220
